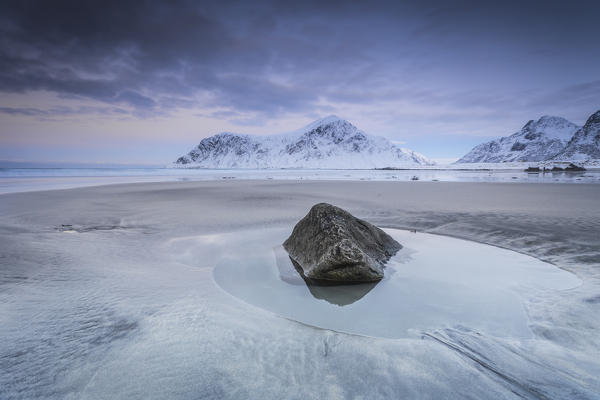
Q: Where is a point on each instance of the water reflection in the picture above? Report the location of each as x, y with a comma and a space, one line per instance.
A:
340, 295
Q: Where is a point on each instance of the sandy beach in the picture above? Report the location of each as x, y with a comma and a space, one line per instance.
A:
98, 299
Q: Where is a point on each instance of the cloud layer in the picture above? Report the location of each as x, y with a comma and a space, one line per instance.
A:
427, 67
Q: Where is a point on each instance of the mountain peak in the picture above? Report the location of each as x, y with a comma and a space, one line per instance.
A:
547, 120
594, 118
330, 119
550, 118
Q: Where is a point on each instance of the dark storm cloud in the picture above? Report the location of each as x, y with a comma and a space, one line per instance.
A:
61, 111
277, 57
113, 51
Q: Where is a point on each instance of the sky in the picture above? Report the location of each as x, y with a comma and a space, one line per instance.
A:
144, 81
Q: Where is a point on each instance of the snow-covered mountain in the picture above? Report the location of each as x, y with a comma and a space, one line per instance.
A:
585, 144
536, 141
327, 143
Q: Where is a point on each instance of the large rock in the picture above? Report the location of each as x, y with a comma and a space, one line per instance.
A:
329, 245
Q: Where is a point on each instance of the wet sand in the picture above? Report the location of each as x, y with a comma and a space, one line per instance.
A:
110, 310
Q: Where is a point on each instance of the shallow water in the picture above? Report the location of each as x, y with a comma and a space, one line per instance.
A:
14, 180
434, 282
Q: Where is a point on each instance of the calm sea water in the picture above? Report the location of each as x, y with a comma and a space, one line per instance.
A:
32, 179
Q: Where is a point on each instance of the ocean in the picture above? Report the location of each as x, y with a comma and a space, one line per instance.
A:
14, 180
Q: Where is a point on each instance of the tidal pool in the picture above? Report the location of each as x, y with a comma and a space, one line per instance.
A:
433, 282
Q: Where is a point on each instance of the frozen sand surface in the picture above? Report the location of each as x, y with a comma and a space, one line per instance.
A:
433, 282
116, 311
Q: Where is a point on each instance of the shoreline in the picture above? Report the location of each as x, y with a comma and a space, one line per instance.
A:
48, 179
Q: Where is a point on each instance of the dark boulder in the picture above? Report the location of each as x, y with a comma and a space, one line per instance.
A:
574, 168
329, 245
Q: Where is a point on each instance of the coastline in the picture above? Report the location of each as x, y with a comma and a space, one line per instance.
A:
35, 179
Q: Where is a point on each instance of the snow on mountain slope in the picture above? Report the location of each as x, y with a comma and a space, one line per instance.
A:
536, 141
585, 144
327, 143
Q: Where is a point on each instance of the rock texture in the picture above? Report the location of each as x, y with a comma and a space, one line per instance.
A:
329, 245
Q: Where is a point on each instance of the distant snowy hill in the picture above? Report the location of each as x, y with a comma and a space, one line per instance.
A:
327, 143
536, 141
585, 144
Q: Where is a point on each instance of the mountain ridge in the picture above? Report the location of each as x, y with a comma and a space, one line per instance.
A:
537, 141
330, 142
585, 143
